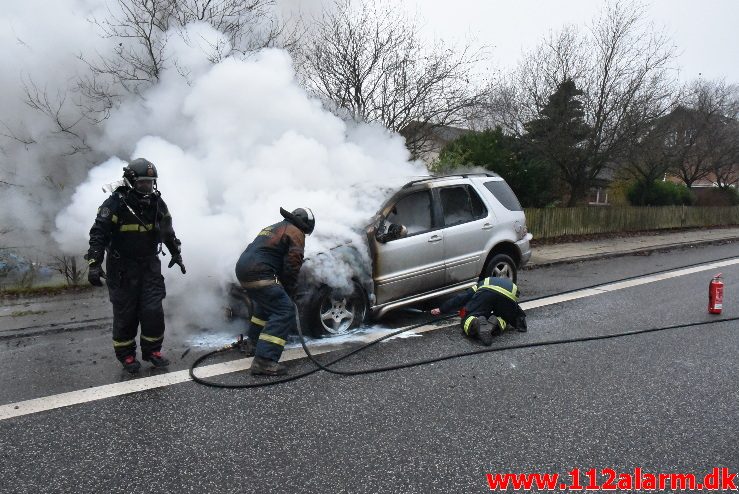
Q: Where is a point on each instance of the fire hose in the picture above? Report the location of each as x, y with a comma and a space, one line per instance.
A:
328, 367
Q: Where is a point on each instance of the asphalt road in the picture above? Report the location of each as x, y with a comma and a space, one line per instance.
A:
662, 402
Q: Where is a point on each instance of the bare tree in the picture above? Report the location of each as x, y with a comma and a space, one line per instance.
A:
704, 129
367, 61
622, 66
14, 135
521, 96
141, 31
68, 267
66, 124
724, 142
651, 156
248, 24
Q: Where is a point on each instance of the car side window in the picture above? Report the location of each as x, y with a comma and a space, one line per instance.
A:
461, 204
414, 212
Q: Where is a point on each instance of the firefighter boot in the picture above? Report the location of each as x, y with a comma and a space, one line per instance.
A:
261, 366
486, 332
474, 329
521, 324
130, 364
157, 360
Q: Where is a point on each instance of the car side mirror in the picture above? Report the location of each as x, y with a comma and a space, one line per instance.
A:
394, 232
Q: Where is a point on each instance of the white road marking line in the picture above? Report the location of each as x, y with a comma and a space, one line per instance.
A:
620, 285
142, 384
610, 287
133, 386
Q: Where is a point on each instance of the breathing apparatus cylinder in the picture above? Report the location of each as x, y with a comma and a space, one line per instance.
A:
716, 295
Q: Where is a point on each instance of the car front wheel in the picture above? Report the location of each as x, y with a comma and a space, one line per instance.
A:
332, 312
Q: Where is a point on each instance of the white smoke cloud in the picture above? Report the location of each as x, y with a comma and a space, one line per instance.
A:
40, 43
234, 142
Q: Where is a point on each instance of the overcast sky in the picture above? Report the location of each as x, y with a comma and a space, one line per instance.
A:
704, 32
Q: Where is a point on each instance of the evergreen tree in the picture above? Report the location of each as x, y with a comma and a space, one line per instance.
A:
531, 179
559, 137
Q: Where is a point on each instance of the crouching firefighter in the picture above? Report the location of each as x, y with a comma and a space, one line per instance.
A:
268, 270
131, 226
493, 299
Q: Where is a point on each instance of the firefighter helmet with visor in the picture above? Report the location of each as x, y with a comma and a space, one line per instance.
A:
141, 176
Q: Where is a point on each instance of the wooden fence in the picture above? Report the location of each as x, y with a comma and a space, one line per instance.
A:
557, 222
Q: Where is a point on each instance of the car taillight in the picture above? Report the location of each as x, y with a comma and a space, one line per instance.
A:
520, 229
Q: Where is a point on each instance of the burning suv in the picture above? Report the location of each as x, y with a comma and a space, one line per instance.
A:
434, 236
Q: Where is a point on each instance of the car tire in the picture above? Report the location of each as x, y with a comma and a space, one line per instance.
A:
501, 266
330, 312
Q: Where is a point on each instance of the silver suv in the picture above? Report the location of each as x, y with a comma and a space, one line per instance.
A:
434, 236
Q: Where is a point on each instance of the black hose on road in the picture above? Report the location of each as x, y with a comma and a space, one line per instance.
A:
319, 366
328, 366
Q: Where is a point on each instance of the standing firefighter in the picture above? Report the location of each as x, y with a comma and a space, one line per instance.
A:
131, 226
268, 270
494, 298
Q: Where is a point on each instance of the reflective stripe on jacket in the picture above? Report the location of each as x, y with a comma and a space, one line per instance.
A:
500, 285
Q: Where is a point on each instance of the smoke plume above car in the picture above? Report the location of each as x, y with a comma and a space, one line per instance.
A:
234, 142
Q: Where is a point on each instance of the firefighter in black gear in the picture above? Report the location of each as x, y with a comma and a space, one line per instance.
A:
268, 270
130, 226
492, 298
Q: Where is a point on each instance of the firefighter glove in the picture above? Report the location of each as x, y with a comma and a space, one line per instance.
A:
177, 259
94, 273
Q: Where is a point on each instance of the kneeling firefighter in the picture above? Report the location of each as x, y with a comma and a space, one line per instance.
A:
268, 270
492, 298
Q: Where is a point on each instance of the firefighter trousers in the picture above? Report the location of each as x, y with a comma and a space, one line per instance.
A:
273, 319
486, 303
136, 290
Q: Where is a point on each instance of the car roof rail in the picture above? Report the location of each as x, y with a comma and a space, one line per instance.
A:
448, 177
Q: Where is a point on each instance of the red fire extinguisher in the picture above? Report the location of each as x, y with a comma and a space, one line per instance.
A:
716, 295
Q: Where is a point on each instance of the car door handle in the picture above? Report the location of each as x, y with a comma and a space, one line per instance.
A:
487, 226
435, 238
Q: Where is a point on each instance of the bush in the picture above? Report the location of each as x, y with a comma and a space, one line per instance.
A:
534, 181
714, 196
731, 195
659, 193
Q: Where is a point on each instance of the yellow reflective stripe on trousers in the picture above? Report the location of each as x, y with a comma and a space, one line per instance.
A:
272, 339
258, 321
136, 228
467, 324
152, 339
501, 290
502, 324
118, 344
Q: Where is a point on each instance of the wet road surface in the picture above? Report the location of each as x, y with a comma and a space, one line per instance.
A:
664, 402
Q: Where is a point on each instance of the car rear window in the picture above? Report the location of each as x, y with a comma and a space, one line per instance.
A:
504, 194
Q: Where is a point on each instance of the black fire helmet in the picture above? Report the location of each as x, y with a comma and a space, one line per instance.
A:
302, 218
141, 175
